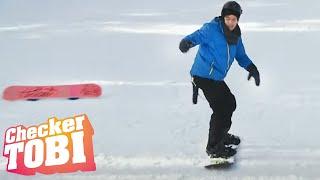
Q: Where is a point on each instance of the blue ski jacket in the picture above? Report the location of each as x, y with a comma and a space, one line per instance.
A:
215, 55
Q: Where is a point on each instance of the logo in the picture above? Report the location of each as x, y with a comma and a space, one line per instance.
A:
56, 146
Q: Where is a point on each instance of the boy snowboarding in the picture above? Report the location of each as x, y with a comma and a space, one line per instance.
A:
219, 43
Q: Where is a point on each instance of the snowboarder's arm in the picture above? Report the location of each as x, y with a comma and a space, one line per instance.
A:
245, 62
200, 35
241, 55
196, 38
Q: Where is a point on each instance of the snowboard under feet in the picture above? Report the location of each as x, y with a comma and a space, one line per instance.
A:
220, 162
216, 163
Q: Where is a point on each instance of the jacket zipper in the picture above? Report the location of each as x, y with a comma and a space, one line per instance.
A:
211, 68
228, 53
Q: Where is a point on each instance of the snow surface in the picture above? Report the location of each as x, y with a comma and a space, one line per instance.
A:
145, 124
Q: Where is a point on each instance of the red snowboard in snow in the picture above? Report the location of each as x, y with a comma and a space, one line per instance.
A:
75, 91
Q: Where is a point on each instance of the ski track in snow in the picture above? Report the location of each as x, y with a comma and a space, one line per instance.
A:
42, 30
178, 167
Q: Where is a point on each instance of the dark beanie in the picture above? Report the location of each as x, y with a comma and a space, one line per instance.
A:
226, 12
231, 8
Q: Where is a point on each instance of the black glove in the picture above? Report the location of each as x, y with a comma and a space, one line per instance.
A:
185, 45
253, 72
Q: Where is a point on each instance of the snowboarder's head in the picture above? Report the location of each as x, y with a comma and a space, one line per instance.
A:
230, 14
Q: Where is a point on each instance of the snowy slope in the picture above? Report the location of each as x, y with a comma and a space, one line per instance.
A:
145, 124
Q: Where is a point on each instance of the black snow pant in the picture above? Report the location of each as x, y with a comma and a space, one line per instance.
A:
222, 103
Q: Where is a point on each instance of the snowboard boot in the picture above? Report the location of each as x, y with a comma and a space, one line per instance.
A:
231, 139
220, 151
